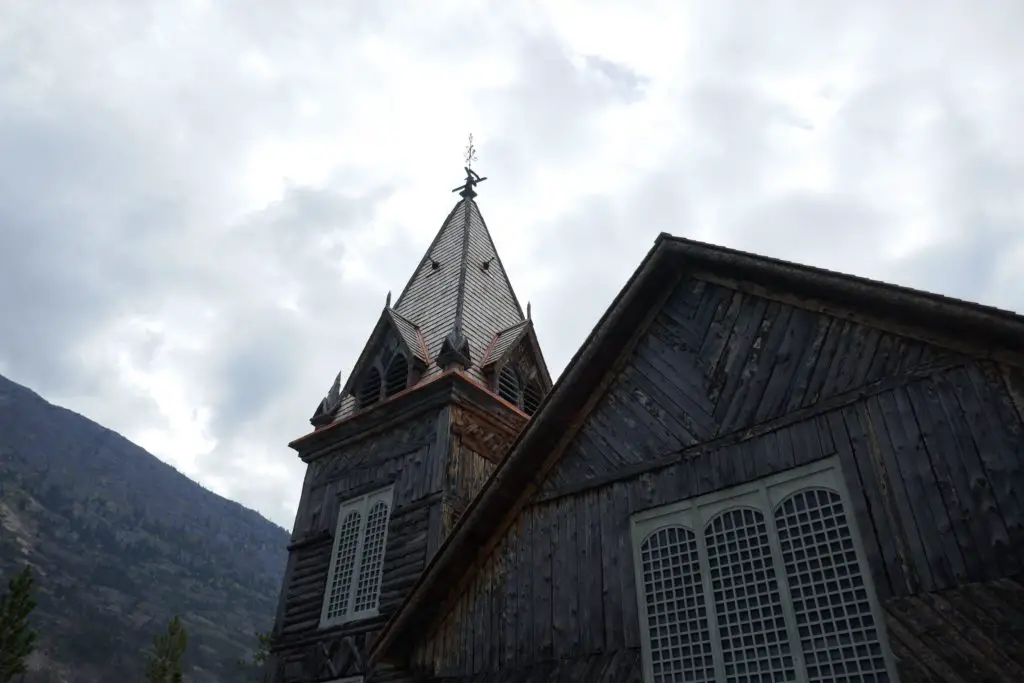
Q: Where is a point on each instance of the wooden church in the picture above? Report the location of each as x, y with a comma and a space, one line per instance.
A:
752, 470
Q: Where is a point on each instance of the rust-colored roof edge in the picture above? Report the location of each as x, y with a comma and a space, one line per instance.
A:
296, 443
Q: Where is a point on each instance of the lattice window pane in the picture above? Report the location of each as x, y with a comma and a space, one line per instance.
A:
751, 621
833, 611
340, 588
368, 590
676, 613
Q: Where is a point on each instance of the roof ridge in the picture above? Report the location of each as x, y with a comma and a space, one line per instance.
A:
460, 297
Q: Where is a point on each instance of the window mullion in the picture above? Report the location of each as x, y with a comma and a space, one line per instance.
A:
709, 594
358, 565
796, 644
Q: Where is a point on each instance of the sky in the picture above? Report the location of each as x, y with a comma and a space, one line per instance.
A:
203, 203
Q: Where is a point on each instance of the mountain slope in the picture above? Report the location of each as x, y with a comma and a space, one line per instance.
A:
121, 542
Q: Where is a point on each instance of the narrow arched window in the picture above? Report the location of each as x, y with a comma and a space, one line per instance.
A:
397, 377
508, 385
369, 388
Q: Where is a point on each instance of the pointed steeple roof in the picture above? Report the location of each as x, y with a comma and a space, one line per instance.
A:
460, 296
458, 311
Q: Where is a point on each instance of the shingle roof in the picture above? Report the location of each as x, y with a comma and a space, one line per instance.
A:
460, 286
502, 342
461, 282
410, 334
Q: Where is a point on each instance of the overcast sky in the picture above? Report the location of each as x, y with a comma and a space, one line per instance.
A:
203, 204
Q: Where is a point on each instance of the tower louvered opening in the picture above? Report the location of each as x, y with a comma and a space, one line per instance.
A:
369, 388
397, 377
531, 397
508, 385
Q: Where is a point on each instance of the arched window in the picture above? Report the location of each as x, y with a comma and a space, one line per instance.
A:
397, 377
369, 388
508, 385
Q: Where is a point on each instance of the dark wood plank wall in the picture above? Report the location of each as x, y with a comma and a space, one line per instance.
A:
411, 458
726, 388
716, 361
436, 464
465, 473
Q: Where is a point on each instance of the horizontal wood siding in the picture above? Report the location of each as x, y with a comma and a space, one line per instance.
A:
716, 361
933, 470
403, 561
408, 457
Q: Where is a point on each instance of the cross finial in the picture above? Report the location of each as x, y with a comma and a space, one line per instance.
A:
470, 155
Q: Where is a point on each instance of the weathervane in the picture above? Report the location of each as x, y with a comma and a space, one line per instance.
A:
472, 177
470, 152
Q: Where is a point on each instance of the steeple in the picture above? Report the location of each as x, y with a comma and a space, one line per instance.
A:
457, 312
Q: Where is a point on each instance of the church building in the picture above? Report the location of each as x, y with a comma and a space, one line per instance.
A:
752, 470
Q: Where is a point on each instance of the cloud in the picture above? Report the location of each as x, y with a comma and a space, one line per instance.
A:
205, 203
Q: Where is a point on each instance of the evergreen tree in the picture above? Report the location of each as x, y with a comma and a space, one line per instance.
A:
164, 664
17, 639
258, 662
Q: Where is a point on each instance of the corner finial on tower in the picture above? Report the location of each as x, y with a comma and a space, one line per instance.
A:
529, 313
387, 303
472, 177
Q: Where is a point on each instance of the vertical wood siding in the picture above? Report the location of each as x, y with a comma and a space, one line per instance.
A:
724, 389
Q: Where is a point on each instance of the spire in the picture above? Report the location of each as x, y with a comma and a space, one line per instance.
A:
460, 296
458, 311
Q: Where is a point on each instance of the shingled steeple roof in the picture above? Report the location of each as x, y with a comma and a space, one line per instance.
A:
457, 312
460, 296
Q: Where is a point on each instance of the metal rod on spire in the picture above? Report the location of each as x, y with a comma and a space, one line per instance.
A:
472, 177
470, 155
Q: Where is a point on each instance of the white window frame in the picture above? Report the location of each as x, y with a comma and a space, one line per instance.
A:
361, 504
348, 679
764, 494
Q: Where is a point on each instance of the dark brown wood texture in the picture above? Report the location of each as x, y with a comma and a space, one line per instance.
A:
436, 462
726, 387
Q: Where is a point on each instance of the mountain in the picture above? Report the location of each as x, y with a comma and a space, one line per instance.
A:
121, 542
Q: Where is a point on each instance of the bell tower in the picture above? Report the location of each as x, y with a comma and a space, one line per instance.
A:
449, 375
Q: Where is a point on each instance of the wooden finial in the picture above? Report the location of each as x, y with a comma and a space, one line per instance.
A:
387, 304
529, 313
